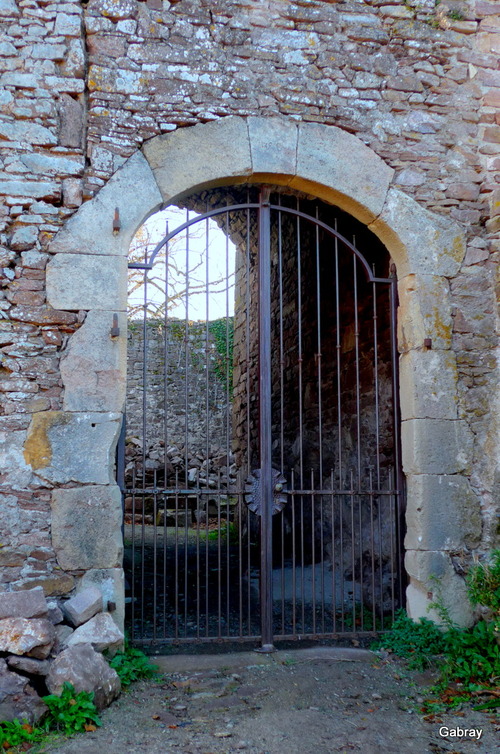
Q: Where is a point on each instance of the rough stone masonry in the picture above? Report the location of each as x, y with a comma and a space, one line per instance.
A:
84, 86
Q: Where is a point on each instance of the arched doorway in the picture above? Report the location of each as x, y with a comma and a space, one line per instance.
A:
262, 473
340, 169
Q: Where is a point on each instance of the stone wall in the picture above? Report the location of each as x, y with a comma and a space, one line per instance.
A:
84, 86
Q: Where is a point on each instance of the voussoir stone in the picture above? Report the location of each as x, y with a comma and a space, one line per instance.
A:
90, 229
170, 154
22, 636
18, 700
329, 156
86, 670
419, 241
101, 631
24, 604
83, 606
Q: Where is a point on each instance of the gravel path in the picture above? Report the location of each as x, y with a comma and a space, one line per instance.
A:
312, 701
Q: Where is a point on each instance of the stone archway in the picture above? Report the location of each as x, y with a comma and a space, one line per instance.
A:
88, 272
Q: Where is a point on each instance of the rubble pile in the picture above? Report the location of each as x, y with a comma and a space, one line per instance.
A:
44, 644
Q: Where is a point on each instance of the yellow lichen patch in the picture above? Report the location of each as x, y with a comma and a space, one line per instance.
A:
37, 448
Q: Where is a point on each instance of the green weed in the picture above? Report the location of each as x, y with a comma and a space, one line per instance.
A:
132, 665
70, 712
466, 659
17, 733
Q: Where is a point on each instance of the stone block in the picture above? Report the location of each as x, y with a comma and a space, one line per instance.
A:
22, 636
86, 527
55, 615
16, 474
273, 146
93, 368
63, 633
443, 513
101, 632
432, 577
356, 179
53, 584
8, 8
83, 606
24, 131
436, 446
424, 312
90, 229
80, 281
28, 665
64, 447
111, 582
72, 192
18, 700
24, 238
86, 670
209, 153
28, 604
71, 117
428, 385
419, 240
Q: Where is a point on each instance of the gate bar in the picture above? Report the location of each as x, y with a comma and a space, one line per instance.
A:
265, 419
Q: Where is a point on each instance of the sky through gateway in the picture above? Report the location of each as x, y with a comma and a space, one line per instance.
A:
199, 277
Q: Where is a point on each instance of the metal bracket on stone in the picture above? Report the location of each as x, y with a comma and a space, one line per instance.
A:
115, 330
253, 490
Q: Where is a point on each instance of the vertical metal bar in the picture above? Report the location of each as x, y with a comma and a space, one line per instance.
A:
228, 431
338, 351
166, 355
144, 443
334, 570
392, 534
155, 555
318, 355
294, 556
186, 562
176, 557
265, 420
356, 360
186, 363
248, 416
207, 409
281, 354
372, 551
313, 552
375, 381
132, 586
353, 576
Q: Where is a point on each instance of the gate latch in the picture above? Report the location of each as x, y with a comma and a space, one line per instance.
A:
253, 490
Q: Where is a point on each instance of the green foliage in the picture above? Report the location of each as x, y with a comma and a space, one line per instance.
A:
18, 732
416, 642
471, 655
222, 331
483, 583
467, 659
456, 15
70, 712
132, 665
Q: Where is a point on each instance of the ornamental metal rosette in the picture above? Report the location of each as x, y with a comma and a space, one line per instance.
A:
253, 492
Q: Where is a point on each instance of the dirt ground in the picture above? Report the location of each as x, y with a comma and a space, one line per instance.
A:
310, 701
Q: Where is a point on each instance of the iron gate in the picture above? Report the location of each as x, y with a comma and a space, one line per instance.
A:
261, 471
